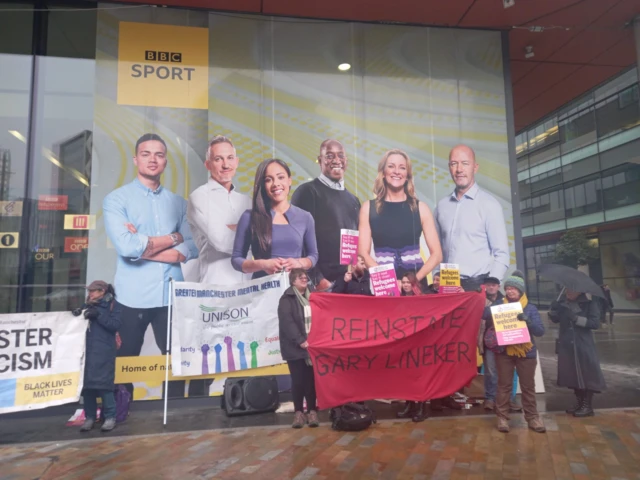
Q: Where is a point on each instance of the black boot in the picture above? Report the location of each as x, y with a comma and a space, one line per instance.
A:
420, 413
407, 411
585, 410
579, 399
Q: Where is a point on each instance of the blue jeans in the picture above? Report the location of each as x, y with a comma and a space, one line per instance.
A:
91, 403
490, 375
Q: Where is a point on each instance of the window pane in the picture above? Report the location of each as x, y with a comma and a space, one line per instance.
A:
619, 112
15, 84
548, 207
62, 137
621, 186
580, 169
577, 130
15, 28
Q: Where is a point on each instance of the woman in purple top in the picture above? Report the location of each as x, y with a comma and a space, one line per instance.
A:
281, 236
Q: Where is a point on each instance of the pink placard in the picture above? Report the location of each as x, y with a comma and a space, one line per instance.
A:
348, 247
384, 281
513, 337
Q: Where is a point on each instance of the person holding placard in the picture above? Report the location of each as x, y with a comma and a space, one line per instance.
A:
333, 208
522, 357
396, 219
471, 224
355, 281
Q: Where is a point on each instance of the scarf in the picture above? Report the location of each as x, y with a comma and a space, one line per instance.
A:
303, 298
521, 349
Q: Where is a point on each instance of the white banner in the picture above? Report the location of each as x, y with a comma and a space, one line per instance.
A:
41, 360
225, 328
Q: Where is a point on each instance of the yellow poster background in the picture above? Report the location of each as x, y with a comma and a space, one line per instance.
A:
163, 66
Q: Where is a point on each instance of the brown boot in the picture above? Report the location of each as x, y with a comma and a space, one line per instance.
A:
299, 420
536, 425
313, 419
489, 405
503, 425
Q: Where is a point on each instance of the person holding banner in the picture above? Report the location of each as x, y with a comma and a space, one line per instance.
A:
333, 208
281, 236
396, 219
294, 316
147, 225
103, 315
522, 357
409, 285
213, 213
471, 224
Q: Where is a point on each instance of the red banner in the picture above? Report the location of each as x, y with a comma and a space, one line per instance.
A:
410, 348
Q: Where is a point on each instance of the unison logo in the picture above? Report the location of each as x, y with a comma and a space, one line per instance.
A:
216, 314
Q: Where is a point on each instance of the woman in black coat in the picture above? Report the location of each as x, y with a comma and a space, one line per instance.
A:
578, 363
103, 315
294, 316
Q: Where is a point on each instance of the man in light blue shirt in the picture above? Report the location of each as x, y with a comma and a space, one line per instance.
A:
147, 224
471, 224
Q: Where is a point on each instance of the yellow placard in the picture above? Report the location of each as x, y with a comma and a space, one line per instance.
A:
151, 368
47, 388
449, 275
163, 66
9, 239
79, 222
10, 208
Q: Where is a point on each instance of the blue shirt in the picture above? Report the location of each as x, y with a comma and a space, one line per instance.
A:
473, 233
141, 283
296, 239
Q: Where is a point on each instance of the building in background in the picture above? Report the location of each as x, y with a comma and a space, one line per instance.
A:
579, 168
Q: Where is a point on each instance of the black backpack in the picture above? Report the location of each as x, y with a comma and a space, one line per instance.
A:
352, 417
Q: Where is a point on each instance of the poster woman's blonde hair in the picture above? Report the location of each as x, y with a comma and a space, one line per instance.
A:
380, 186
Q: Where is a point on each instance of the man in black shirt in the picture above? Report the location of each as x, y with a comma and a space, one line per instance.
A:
332, 207
356, 282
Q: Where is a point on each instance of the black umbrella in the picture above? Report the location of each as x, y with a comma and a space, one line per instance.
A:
570, 278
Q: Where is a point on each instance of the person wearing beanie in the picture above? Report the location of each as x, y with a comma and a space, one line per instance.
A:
522, 357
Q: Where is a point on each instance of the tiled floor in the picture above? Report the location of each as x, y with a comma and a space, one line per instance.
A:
606, 446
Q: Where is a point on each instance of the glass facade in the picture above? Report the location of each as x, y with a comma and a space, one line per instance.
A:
580, 168
80, 86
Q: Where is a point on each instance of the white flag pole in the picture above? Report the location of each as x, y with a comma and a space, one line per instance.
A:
166, 364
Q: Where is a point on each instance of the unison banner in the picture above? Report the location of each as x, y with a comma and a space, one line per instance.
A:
41, 360
224, 328
412, 348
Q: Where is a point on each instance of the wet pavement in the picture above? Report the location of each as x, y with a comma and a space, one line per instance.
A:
606, 446
619, 349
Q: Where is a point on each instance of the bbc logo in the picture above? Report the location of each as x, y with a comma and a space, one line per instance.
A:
155, 56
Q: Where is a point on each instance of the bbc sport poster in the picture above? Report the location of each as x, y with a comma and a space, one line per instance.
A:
278, 93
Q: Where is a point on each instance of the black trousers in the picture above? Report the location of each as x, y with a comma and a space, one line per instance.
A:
302, 385
133, 326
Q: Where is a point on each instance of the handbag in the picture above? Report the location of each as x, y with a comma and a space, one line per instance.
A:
491, 341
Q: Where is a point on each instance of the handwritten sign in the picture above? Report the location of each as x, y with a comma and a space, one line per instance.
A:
389, 347
384, 281
509, 330
449, 278
348, 246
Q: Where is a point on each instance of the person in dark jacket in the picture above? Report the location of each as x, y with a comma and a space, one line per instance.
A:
435, 286
494, 297
103, 315
607, 306
578, 363
521, 356
356, 282
294, 317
